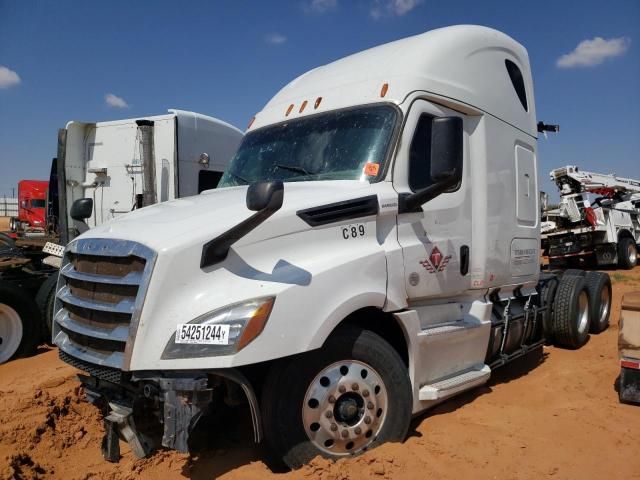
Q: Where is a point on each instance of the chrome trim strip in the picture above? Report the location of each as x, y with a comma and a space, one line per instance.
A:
119, 333
97, 357
132, 278
124, 306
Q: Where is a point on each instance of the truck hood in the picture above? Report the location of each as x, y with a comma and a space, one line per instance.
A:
198, 219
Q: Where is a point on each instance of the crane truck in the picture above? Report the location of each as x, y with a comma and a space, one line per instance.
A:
372, 250
604, 230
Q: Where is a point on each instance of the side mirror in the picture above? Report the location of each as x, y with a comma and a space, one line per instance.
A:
446, 149
81, 209
265, 196
447, 153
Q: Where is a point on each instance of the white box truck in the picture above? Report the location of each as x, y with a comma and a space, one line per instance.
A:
374, 250
126, 164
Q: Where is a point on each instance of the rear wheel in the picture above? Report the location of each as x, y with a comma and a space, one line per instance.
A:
571, 318
341, 400
627, 253
547, 293
19, 318
599, 287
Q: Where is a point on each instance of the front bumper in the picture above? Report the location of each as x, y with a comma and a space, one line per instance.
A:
149, 409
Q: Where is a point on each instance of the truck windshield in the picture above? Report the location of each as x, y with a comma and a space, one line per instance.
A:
37, 203
329, 146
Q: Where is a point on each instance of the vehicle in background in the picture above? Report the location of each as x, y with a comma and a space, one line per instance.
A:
598, 220
126, 164
121, 165
629, 348
32, 207
374, 251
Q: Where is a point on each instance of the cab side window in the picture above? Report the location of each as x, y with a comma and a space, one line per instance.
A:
420, 155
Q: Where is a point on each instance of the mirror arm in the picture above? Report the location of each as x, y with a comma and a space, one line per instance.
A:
412, 202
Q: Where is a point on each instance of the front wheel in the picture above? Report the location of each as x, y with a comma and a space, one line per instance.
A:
341, 400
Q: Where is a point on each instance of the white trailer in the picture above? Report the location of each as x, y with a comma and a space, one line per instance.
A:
597, 221
374, 250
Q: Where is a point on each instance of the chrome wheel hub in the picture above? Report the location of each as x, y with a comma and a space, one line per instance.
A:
583, 312
345, 408
605, 304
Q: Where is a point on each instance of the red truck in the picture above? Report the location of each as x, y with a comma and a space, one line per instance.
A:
32, 205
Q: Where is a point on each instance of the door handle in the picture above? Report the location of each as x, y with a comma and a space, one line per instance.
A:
464, 260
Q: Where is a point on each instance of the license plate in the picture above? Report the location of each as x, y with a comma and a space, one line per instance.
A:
202, 334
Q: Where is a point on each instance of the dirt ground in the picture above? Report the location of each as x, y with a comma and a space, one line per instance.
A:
4, 224
551, 416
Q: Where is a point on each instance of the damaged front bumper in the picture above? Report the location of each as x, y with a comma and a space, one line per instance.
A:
160, 408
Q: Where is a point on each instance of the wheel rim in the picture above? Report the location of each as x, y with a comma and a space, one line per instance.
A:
583, 312
632, 253
345, 408
605, 305
10, 332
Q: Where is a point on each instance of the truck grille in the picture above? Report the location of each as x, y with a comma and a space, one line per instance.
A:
99, 298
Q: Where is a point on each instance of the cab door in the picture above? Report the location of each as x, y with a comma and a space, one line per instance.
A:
435, 240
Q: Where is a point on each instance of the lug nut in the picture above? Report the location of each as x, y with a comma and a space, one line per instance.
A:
367, 420
365, 393
329, 414
370, 405
345, 433
332, 399
342, 389
355, 387
334, 427
357, 430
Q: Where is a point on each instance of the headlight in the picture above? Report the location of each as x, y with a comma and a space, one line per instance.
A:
220, 332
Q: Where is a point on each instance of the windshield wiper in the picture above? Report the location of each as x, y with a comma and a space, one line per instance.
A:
294, 168
235, 175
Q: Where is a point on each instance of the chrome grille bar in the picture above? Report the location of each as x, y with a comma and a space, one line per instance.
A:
99, 298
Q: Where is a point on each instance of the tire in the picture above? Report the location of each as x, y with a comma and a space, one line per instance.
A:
599, 287
45, 299
627, 253
547, 293
6, 241
571, 312
574, 271
291, 412
19, 323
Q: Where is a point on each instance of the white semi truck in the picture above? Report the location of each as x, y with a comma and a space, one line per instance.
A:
597, 221
374, 250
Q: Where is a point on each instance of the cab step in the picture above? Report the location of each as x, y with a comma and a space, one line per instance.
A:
452, 385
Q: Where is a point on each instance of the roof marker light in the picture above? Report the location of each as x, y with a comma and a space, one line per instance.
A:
317, 104
289, 110
383, 90
253, 119
303, 106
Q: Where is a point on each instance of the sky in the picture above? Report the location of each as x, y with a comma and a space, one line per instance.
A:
95, 61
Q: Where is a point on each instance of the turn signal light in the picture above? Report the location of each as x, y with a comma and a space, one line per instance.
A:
256, 324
